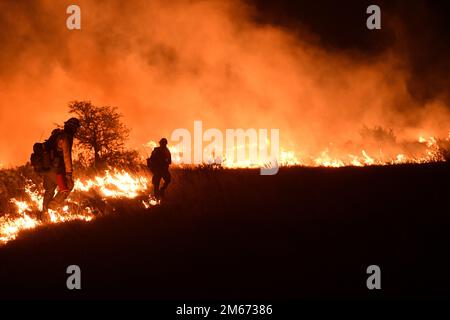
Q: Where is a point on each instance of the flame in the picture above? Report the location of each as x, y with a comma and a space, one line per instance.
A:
151, 201
113, 184
119, 184
288, 158
431, 154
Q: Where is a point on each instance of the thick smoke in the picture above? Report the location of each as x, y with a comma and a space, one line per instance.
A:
228, 63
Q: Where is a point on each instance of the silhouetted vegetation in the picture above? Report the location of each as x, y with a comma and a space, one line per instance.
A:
378, 135
233, 234
12, 185
101, 139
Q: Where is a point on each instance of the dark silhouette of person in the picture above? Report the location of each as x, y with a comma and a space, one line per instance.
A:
159, 163
60, 174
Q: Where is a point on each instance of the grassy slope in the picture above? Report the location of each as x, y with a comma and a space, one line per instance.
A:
235, 234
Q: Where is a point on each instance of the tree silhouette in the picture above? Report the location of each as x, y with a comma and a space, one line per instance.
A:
102, 132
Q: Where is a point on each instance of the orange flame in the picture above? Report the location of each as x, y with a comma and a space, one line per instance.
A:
115, 184
325, 159
112, 185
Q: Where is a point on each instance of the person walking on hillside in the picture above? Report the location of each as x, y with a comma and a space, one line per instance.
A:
159, 163
59, 175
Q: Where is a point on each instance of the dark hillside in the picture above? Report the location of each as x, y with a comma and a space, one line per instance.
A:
235, 234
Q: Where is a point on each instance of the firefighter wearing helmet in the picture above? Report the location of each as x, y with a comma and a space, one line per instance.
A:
159, 163
59, 176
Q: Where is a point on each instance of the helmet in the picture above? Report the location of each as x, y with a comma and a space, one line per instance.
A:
56, 131
72, 123
163, 142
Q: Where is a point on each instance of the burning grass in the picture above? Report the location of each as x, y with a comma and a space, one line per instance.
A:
97, 194
287, 229
377, 146
92, 196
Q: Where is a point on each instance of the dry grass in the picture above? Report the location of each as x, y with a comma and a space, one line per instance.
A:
224, 234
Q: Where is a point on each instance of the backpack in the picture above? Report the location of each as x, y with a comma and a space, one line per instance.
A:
159, 160
152, 162
43, 157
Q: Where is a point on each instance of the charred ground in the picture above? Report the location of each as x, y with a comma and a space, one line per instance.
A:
224, 234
